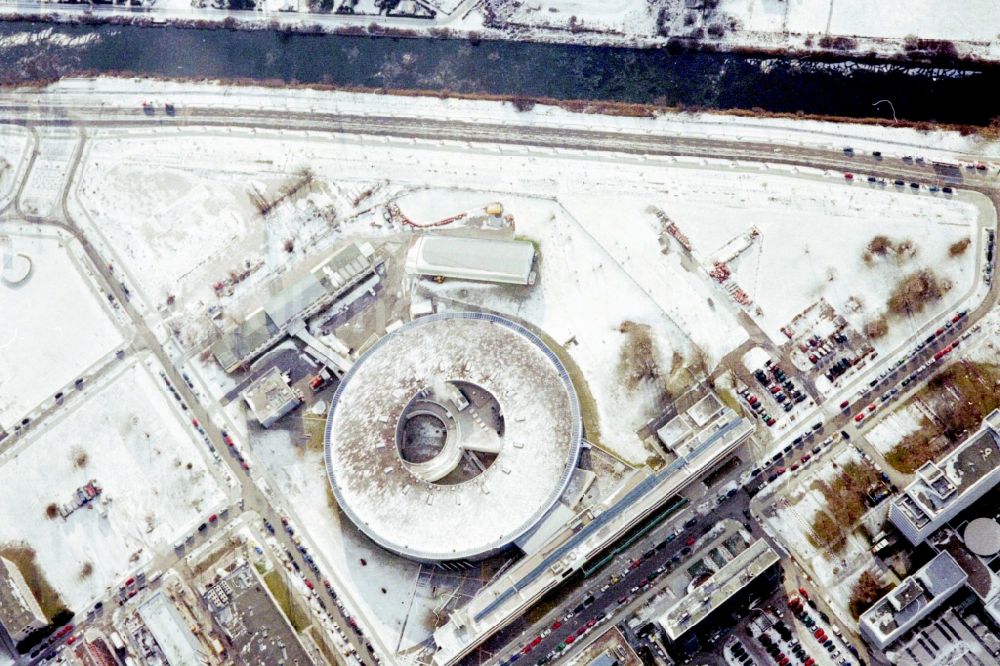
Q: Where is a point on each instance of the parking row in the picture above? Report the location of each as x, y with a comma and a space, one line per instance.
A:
313, 592
940, 339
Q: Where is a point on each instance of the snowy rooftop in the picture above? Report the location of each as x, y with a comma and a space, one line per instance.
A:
942, 489
488, 260
917, 596
426, 520
724, 583
179, 645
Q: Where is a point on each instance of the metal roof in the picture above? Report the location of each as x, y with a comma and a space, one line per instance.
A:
290, 301
242, 341
982, 537
482, 259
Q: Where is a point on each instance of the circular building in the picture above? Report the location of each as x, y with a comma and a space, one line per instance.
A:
14, 268
982, 537
452, 436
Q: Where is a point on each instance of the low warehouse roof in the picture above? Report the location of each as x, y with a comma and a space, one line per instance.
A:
482, 259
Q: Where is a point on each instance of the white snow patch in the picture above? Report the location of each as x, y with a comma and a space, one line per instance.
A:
55, 323
138, 448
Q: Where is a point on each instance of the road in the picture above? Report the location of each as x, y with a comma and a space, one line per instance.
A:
25, 109
610, 600
253, 498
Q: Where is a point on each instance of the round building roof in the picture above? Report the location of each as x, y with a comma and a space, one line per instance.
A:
14, 268
982, 537
452, 437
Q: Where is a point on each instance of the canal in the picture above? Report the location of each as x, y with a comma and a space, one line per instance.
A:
33, 51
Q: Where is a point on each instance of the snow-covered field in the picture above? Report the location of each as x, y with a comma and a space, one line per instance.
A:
832, 572
13, 143
894, 427
131, 439
813, 236
761, 23
583, 294
56, 324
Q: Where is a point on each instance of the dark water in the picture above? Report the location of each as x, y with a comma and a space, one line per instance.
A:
847, 88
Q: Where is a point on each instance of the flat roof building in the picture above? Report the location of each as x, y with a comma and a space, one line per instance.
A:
270, 397
945, 488
480, 259
296, 300
902, 608
20, 613
255, 626
700, 423
754, 569
587, 535
178, 645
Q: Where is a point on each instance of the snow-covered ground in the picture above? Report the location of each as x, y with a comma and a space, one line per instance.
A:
834, 573
56, 324
300, 476
131, 439
891, 430
803, 25
812, 242
690, 193
13, 143
584, 294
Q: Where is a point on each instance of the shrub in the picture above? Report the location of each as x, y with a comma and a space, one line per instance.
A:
523, 103
866, 592
880, 245
959, 247
638, 359
915, 291
877, 328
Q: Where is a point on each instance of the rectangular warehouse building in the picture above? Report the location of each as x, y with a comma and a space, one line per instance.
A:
480, 259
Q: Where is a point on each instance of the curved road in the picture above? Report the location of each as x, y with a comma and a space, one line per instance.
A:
27, 109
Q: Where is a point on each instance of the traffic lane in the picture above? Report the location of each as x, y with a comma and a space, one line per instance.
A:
354, 635
634, 575
634, 579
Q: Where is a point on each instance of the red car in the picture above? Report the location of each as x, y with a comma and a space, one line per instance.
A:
780, 471
804, 459
803, 592
858, 418
845, 404
849, 176
213, 518
591, 623
70, 640
569, 640
556, 625
309, 584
